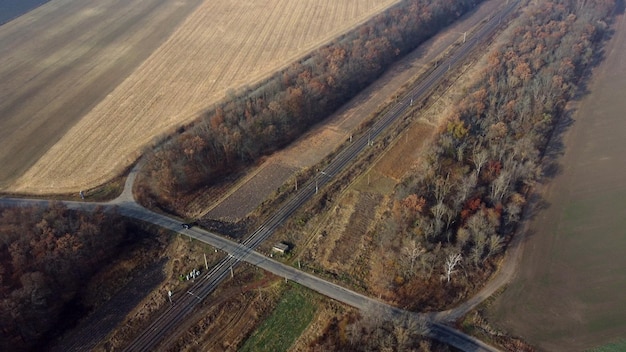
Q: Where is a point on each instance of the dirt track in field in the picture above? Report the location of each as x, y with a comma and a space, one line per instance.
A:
220, 46
60, 59
569, 292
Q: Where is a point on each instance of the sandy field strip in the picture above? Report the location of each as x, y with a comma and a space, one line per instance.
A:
59, 60
569, 292
220, 46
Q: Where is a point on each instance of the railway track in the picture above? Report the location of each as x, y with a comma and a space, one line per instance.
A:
151, 336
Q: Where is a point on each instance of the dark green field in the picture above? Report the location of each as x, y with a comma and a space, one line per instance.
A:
278, 332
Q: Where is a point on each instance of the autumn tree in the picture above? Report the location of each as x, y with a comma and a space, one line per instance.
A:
45, 257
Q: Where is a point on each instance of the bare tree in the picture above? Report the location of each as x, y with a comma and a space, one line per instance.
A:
412, 250
478, 224
460, 151
442, 188
498, 149
524, 149
427, 261
440, 210
465, 186
494, 245
476, 254
501, 185
480, 228
513, 211
428, 227
462, 237
408, 327
451, 262
480, 156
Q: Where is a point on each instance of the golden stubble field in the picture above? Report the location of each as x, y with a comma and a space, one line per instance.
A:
220, 46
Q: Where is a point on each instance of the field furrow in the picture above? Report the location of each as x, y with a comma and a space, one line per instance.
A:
287, 19
306, 20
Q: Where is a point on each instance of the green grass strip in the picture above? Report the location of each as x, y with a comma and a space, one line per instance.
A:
291, 316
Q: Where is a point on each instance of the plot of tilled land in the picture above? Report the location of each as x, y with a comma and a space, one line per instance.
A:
219, 46
252, 192
569, 292
59, 60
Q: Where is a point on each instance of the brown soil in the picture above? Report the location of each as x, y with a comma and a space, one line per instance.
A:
341, 245
251, 193
402, 157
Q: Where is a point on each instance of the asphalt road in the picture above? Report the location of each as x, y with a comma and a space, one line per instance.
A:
185, 302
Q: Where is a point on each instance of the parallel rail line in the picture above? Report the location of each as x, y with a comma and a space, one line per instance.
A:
151, 336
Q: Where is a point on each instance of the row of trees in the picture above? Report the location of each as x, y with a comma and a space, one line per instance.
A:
259, 120
46, 256
459, 206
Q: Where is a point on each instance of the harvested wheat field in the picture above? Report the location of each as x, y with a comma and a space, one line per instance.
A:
220, 46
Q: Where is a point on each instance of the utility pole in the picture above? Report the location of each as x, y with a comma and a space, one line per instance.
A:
206, 264
464, 36
232, 274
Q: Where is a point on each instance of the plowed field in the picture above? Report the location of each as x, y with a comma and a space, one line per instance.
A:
569, 291
60, 59
221, 45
